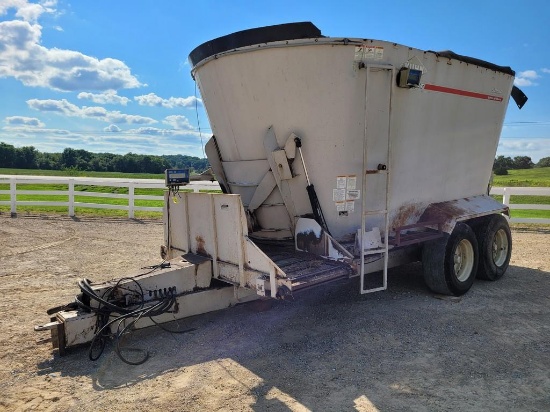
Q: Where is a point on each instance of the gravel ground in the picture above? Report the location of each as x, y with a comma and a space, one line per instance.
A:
330, 349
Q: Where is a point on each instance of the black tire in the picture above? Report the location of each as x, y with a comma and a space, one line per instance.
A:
495, 247
450, 263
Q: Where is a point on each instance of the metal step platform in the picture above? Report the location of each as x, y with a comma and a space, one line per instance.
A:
304, 269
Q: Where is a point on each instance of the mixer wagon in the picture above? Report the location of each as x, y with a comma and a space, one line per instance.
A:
337, 158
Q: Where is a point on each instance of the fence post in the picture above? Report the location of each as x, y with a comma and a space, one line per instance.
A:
505, 196
71, 197
13, 196
131, 200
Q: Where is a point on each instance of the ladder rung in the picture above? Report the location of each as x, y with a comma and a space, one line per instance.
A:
376, 212
375, 251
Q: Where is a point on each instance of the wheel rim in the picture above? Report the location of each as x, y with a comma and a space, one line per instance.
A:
500, 247
463, 260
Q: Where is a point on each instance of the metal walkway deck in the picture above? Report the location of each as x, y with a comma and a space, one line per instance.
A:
302, 268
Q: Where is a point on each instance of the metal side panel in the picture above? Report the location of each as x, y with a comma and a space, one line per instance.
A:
268, 276
176, 225
202, 227
216, 228
230, 226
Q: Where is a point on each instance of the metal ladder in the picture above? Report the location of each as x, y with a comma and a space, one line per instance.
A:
379, 82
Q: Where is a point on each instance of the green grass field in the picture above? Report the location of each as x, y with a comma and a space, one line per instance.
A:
78, 173
539, 177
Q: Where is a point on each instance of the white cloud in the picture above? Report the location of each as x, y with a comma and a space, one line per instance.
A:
117, 117
23, 121
155, 131
25, 59
35, 130
27, 11
535, 147
178, 122
526, 78
529, 74
152, 99
50, 105
143, 140
108, 97
66, 108
113, 128
545, 70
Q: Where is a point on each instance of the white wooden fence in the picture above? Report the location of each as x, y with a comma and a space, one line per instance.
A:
17, 188
507, 192
133, 184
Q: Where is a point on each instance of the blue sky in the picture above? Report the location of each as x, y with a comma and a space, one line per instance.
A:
112, 76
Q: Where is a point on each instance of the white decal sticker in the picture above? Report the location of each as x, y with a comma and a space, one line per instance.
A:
350, 205
374, 52
341, 182
352, 182
338, 195
353, 194
340, 206
369, 52
359, 52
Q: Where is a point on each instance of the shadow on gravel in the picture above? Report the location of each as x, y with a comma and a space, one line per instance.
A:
334, 349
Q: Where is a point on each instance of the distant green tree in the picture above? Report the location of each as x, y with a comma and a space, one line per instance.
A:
544, 162
48, 161
503, 163
25, 157
183, 161
68, 158
7, 155
523, 162
81, 160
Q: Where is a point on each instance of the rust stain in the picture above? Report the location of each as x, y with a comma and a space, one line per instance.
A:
406, 214
200, 245
444, 212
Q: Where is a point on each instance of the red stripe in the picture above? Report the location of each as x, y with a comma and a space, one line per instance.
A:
466, 93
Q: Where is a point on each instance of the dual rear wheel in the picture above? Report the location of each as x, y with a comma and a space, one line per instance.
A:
452, 263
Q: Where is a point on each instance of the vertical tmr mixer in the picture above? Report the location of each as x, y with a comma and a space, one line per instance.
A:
337, 157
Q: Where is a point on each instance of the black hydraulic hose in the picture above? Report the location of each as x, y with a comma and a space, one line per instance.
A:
104, 310
168, 303
86, 288
159, 308
137, 312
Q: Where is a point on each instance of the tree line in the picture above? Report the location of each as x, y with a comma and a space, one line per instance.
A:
504, 163
27, 157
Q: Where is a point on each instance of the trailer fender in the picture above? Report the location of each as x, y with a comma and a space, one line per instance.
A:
460, 210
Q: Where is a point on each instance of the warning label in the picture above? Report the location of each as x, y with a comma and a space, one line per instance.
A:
368, 52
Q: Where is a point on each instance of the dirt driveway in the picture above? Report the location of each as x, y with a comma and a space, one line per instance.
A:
331, 349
